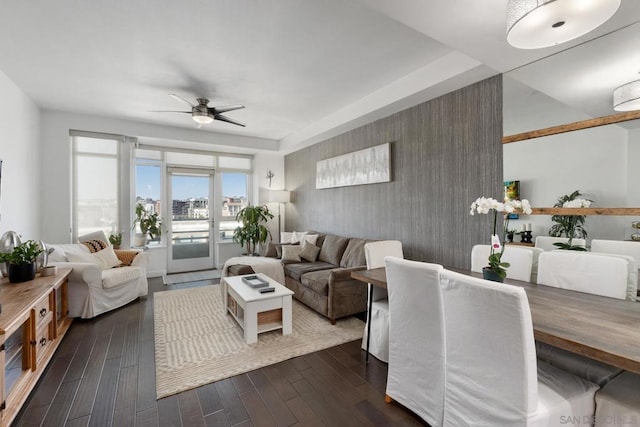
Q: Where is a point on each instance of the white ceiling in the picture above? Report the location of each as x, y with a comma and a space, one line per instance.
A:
305, 69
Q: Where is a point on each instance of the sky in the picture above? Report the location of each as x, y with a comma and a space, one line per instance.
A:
184, 187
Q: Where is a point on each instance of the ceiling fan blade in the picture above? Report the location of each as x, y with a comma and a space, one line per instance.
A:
218, 110
168, 111
228, 120
173, 95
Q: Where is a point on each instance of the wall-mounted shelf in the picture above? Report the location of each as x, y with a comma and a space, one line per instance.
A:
585, 211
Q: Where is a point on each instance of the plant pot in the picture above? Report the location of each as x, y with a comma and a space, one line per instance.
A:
22, 272
139, 240
489, 274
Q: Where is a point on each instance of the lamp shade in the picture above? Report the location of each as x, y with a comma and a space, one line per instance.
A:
278, 196
627, 97
534, 24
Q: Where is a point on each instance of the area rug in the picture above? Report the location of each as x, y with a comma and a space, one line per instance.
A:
193, 276
196, 343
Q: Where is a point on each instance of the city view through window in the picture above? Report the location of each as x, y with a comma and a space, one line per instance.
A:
190, 202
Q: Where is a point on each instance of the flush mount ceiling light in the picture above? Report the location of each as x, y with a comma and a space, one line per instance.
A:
534, 24
627, 97
201, 117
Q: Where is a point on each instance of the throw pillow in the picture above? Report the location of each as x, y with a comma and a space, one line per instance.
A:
311, 238
291, 252
271, 251
96, 235
107, 258
95, 245
125, 256
309, 252
286, 237
298, 236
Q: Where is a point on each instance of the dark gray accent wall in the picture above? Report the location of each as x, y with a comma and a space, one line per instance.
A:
444, 154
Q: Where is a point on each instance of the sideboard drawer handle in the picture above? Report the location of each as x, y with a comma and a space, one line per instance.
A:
43, 312
43, 342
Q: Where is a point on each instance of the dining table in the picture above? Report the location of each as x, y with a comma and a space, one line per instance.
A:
601, 328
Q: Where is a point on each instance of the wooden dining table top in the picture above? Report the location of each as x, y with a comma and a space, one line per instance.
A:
601, 328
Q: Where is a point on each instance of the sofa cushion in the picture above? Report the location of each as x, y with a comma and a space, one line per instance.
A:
320, 239
126, 256
354, 254
332, 249
296, 270
117, 276
60, 251
318, 281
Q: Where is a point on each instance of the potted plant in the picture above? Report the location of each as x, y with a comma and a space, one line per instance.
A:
150, 225
496, 270
253, 230
22, 261
115, 240
571, 226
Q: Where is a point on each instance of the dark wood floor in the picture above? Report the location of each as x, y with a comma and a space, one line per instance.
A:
103, 374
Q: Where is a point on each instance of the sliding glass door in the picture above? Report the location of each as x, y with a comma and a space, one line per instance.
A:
190, 225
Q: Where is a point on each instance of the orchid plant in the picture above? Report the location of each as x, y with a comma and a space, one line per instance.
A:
484, 205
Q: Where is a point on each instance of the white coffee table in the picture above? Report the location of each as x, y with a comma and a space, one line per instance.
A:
256, 312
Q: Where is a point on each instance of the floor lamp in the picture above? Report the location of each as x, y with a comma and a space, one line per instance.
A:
279, 197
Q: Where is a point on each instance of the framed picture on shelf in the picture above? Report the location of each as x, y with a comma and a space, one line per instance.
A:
512, 192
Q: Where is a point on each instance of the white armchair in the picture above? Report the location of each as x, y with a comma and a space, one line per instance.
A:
94, 289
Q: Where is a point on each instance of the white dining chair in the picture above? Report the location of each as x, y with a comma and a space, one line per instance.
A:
619, 247
599, 274
375, 253
417, 360
520, 260
619, 400
547, 242
592, 273
492, 376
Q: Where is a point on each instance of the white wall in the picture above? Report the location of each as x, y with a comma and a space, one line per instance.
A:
262, 163
56, 155
20, 205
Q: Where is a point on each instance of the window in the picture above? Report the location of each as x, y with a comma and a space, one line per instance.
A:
234, 198
148, 183
96, 183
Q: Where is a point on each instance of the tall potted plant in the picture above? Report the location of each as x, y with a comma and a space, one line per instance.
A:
253, 230
22, 261
571, 226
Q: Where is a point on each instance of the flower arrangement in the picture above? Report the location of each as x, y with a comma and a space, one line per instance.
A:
484, 205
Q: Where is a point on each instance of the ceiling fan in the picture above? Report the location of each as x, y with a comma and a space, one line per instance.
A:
203, 114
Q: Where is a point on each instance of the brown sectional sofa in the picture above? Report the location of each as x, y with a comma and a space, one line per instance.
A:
325, 285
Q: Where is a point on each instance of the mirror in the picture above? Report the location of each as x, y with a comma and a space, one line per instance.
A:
573, 85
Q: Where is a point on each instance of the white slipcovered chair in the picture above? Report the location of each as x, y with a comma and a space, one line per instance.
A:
618, 247
618, 402
609, 275
95, 288
614, 276
546, 242
417, 360
521, 260
492, 375
375, 253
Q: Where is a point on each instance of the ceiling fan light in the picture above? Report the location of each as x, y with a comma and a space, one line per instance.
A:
627, 97
534, 24
202, 118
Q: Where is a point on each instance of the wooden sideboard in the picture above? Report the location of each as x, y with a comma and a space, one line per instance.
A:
33, 321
